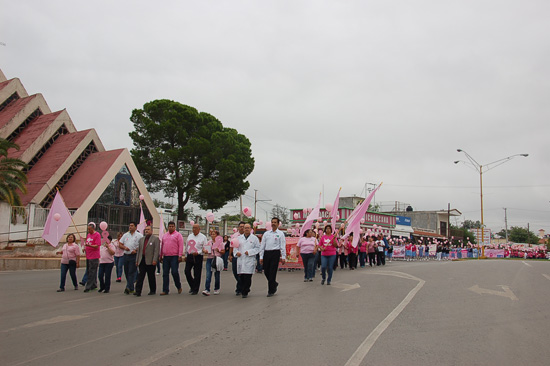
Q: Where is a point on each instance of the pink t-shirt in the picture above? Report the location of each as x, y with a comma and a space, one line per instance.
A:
325, 243
363, 248
371, 247
93, 239
107, 257
119, 252
306, 245
214, 248
70, 252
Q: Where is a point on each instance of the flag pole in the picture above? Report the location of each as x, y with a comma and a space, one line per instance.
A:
71, 216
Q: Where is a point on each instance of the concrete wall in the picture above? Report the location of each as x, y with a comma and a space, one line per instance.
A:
25, 264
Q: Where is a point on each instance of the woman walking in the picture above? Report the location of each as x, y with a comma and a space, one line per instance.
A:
119, 257
106, 263
371, 249
70, 261
352, 252
214, 251
363, 252
328, 245
308, 249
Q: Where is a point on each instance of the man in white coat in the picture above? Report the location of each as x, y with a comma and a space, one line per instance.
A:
249, 246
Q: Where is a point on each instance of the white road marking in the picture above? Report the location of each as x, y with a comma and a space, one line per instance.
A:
506, 293
547, 277
362, 351
527, 264
127, 330
54, 320
345, 286
167, 352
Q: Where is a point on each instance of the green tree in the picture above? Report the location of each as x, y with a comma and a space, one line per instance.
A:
462, 234
522, 235
12, 176
180, 150
469, 224
281, 212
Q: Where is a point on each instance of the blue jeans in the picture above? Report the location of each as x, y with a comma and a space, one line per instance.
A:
170, 264
71, 268
362, 258
209, 275
225, 257
119, 264
130, 270
309, 265
105, 270
327, 263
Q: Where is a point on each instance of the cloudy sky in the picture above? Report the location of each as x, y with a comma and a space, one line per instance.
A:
330, 93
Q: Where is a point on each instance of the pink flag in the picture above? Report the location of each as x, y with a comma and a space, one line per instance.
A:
58, 221
161, 229
354, 225
311, 217
334, 212
142, 222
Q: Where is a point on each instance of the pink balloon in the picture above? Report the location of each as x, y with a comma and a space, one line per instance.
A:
329, 206
268, 226
260, 222
374, 226
297, 225
247, 211
362, 220
255, 223
234, 229
235, 243
296, 215
342, 226
57, 216
192, 222
304, 211
337, 216
316, 225
103, 225
141, 197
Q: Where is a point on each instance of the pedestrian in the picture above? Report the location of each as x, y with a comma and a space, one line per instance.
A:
227, 245
70, 261
371, 249
130, 243
245, 253
194, 251
93, 242
106, 263
146, 261
272, 251
408, 253
327, 246
413, 251
233, 259
352, 252
439, 251
390, 250
380, 251
214, 251
362, 251
119, 257
171, 255
308, 248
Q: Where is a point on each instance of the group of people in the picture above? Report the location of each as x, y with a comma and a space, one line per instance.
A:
137, 255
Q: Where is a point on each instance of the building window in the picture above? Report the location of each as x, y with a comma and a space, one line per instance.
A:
10, 99
34, 115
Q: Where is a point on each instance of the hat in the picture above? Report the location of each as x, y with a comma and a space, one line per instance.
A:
91, 223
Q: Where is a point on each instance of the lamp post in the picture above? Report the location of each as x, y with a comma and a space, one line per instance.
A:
479, 168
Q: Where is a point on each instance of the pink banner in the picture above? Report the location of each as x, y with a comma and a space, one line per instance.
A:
399, 251
494, 253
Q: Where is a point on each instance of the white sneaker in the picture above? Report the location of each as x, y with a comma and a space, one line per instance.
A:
206, 293
216, 292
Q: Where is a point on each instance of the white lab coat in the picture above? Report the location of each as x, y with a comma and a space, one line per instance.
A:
246, 264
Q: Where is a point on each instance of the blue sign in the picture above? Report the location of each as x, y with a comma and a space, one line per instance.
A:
402, 220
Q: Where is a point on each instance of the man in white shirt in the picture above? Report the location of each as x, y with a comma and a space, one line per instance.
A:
130, 243
272, 251
233, 259
194, 249
246, 258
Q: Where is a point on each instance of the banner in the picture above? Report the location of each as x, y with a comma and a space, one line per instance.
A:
494, 253
293, 259
399, 251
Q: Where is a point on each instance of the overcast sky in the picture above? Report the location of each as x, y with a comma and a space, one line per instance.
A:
330, 93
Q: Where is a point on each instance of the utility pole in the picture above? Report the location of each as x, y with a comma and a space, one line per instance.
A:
449, 221
256, 200
241, 212
506, 224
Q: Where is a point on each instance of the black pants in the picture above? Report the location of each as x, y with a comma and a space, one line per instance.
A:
343, 260
352, 260
271, 266
239, 287
246, 282
193, 263
372, 260
380, 258
148, 270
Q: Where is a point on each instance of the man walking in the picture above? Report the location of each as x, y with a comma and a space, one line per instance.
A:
233, 259
273, 250
171, 256
147, 257
130, 243
193, 259
93, 244
246, 258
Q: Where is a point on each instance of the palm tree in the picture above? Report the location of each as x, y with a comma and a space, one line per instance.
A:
12, 176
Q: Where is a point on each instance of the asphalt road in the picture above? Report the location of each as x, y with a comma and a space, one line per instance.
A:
407, 313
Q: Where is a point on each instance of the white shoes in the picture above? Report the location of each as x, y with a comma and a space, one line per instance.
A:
206, 293
216, 292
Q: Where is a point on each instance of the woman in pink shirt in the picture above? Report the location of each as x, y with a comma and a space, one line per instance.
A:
308, 248
362, 252
352, 253
328, 245
119, 257
214, 250
70, 261
371, 249
106, 263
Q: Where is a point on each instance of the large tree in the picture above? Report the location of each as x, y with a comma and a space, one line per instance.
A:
522, 235
12, 176
181, 151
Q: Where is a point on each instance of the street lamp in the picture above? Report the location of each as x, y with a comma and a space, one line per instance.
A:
479, 168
